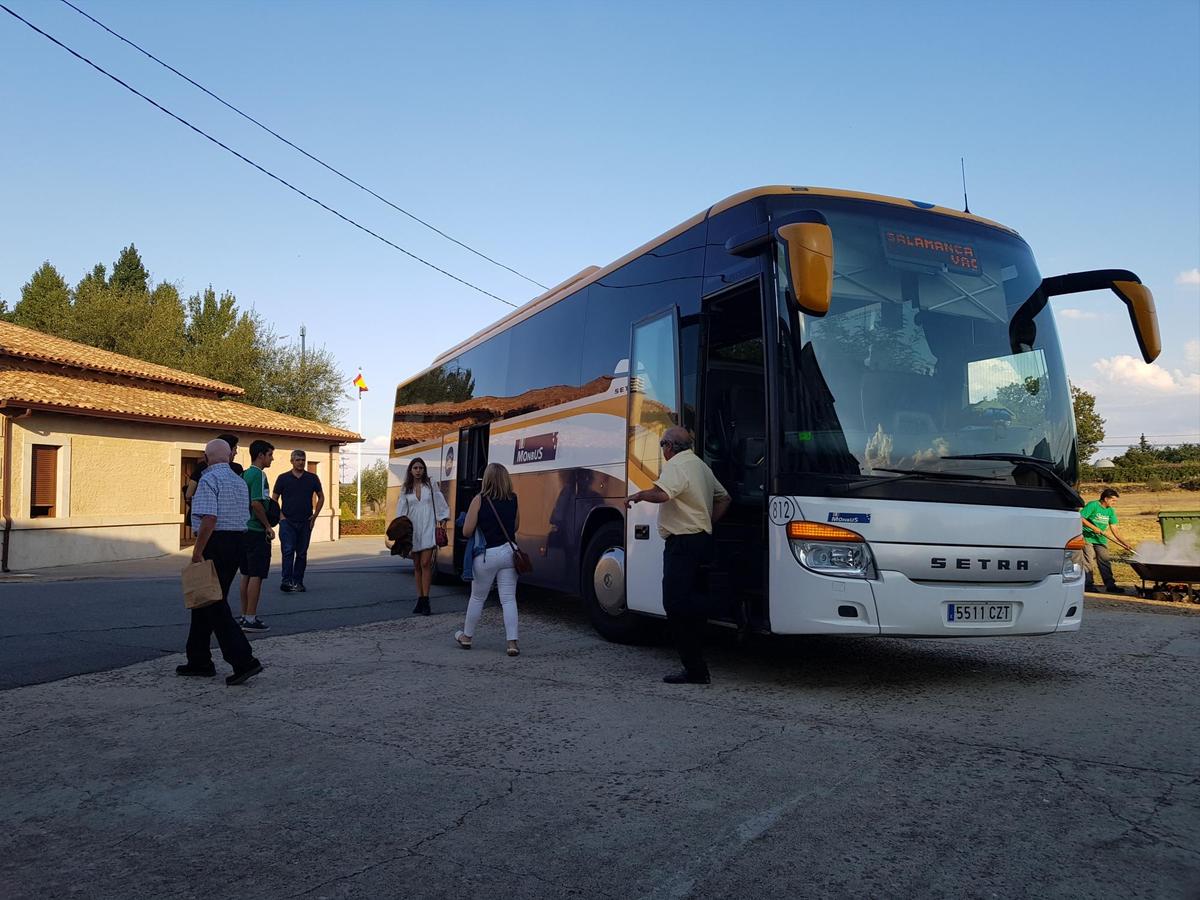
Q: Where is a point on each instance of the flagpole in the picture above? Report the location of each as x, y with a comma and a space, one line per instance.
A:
358, 509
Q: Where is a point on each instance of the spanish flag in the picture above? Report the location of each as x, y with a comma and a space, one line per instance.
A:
360, 382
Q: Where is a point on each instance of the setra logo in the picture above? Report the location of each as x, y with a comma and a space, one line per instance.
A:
999, 565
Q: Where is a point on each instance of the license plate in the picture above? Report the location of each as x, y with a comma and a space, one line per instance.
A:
978, 613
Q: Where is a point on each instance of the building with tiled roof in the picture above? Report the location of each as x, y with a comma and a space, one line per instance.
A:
97, 448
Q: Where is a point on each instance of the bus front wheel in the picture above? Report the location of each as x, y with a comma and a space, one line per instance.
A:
603, 588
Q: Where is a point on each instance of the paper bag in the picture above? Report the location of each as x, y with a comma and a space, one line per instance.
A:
201, 587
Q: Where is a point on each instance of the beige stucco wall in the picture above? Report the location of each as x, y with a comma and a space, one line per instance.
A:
119, 487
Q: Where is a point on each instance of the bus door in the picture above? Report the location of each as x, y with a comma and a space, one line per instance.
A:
733, 441
443, 478
472, 459
653, 408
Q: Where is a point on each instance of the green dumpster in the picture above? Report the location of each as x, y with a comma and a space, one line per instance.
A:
1175, 523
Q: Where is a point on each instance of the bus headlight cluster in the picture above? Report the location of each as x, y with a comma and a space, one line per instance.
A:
829, 550
1072, 570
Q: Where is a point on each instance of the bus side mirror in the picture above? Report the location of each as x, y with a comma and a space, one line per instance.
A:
1142, 315
806, 257
1136, 296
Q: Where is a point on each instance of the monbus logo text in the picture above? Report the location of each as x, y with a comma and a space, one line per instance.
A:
535, 449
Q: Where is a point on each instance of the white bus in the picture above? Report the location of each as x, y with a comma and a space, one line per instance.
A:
877, 382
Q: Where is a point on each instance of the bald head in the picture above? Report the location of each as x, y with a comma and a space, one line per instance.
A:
678, 438
217, 451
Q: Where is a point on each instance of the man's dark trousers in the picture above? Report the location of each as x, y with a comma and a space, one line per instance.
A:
684, 599
293, 541
224, 548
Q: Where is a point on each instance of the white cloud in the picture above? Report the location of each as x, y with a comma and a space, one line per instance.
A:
1131, 374
1075, 314
1191, 353
1190, 276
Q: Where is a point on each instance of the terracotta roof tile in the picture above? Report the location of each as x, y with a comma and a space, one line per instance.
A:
29, 344
78, 394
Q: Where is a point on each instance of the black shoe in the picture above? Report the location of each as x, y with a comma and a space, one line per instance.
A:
198, 671
1119, 591
255, 624
287, 587
298, 587
422, 607
245, 675
683, 676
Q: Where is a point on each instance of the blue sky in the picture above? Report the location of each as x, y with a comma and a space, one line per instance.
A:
559, 135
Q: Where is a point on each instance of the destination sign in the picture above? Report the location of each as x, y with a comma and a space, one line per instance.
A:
929, 249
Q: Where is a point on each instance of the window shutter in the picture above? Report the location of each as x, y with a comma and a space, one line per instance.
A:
43, 488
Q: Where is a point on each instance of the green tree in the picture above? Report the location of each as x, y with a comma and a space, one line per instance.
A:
1089, 426
222, 342
156, 324
310, 386
128, 272
45, 303
374, 483
206, 334
374, 488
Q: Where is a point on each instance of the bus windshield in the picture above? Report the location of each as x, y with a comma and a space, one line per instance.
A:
937, 344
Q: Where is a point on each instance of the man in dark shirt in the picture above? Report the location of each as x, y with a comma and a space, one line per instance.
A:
297, 487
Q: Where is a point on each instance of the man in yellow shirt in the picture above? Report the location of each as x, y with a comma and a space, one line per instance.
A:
692, 499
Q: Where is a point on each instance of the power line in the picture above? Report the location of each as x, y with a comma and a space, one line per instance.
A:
299, 149
252, 163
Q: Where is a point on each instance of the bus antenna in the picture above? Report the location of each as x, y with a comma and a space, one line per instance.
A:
963, 165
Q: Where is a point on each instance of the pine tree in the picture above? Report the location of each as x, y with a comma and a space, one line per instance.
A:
128, 272
45, 303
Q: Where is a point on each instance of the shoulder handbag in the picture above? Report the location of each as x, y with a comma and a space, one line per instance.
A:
521, 561
440, 537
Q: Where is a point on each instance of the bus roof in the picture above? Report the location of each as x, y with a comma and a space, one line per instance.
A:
595, 273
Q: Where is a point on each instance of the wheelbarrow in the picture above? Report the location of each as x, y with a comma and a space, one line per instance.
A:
1167, 581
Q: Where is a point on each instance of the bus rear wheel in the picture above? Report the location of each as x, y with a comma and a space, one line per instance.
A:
603, 588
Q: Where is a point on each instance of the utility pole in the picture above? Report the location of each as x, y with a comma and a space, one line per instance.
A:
303, 334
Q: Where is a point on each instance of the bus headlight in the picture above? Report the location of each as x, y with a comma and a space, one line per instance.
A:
1072, 570
829, 550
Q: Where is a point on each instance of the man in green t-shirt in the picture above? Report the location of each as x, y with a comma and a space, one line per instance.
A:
1099, 524
259, 534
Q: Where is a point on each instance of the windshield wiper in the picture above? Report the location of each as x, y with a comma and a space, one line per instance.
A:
1038, 465
904, 474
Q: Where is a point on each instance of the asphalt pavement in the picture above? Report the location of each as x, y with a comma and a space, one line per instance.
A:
378, 760
79, 619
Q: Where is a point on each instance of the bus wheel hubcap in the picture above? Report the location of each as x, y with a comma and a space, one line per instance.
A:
609, 581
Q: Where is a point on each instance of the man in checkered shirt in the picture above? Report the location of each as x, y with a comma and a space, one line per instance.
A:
219, 510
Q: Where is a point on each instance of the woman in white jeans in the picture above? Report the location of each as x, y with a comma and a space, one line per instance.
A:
494, 512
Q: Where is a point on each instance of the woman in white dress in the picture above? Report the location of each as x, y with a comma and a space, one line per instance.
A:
427, 509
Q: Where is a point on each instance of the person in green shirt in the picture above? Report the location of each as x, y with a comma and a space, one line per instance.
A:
1099, 524
259, 534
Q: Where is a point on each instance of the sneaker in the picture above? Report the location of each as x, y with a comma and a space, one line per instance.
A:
245, 675
255, 624
287, 587
299, 587
197, 671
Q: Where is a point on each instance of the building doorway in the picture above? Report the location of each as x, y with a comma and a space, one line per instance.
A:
188, 461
